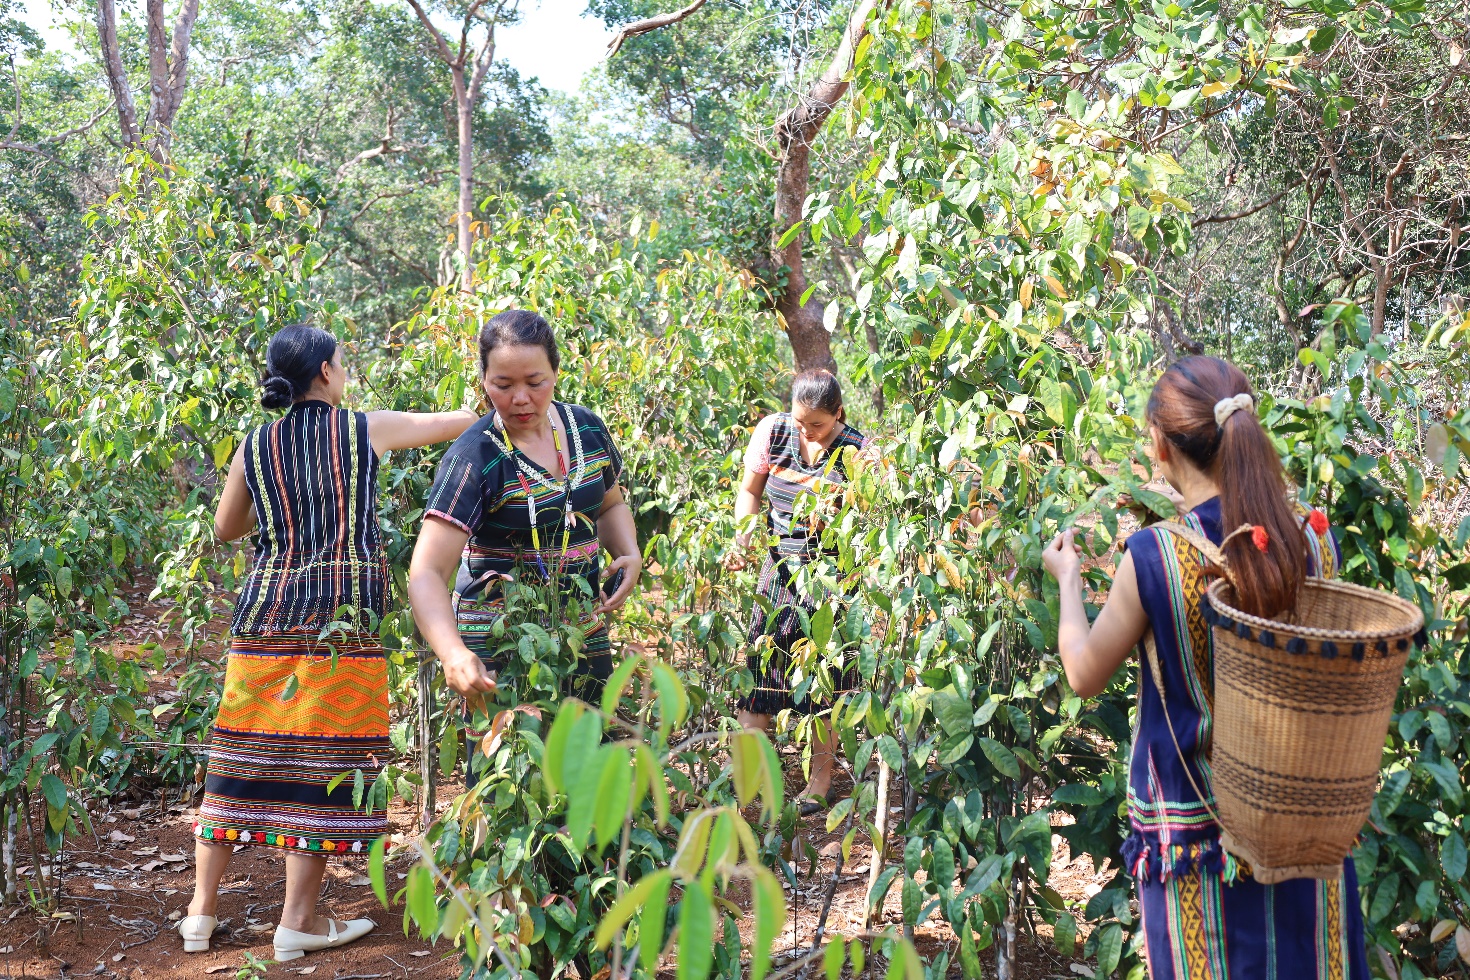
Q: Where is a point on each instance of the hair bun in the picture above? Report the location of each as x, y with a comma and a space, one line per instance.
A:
276, 392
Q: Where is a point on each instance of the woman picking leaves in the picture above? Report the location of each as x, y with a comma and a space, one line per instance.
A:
792, 458
1203, 914
531, 491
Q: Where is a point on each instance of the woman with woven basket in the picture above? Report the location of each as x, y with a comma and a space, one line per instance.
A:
1204, 914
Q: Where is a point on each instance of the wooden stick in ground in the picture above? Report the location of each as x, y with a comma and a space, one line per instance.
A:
426, 712
880, 839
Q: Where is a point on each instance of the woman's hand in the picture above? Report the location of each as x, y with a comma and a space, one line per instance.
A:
466, 675
631, 567
1063, 558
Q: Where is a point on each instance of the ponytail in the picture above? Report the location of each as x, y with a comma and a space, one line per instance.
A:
1205, 408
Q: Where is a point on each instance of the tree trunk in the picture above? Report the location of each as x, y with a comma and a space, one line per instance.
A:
466, 174
168, 72
795, 130
117, 78
466, 97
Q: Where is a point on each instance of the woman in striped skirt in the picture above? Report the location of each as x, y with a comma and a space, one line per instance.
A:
791, 455
1203, 914
305, 699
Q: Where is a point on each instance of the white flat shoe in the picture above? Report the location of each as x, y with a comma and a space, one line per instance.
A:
291, 944
196, 930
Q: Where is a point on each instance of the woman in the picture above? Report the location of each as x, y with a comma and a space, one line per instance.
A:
532, 490
791, 455
1203, 914
299, 708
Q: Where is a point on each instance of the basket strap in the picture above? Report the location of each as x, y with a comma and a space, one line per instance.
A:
1202, 544
1214, 555
1156, 668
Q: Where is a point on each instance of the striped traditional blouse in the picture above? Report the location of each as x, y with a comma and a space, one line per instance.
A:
313, 479
478, 490
775, 449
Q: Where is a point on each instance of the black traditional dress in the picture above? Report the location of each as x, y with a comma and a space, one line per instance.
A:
493, 492
302, 704
775, 450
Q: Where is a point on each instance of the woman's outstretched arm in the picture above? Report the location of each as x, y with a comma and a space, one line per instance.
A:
1092, 654
430, 575
619, 535
409, 430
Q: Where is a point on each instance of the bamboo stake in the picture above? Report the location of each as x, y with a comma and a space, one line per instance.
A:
880, 840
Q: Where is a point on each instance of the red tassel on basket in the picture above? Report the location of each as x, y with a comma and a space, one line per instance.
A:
1260, 538
1318, 521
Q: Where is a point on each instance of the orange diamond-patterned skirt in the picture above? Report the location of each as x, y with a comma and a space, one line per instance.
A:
296, 714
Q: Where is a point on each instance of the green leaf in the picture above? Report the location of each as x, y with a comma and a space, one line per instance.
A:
612, 693
624, 908
1452, 857
942, 864
789, 235
832, 958
54, 790
951, 710
770, 917
421, 903
1001, 757
696, 932
448, 750
1140, 220
556, 744
1064, 933
1109, 948
582, 792
375, 870
651, 924
613, 790
39, 613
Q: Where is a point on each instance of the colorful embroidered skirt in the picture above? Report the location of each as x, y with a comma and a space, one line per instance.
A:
783, 625
1197, 926
277, 745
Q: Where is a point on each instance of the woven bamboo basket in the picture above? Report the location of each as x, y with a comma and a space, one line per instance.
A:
1301, 709
1302, 706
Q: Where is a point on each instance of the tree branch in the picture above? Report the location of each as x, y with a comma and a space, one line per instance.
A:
1222, 218
443, 45
650, 24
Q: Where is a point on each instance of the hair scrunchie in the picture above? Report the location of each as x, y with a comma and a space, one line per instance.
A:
1226, 407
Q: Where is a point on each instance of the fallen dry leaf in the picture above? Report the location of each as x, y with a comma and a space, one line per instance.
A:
131, 814
307, 969
118, 837
103, 886
172, 857
359, 881
118, 957
151, 865
419, 952
218, 969
145, 851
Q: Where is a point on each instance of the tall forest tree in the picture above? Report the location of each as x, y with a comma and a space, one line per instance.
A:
468, 64
168, 72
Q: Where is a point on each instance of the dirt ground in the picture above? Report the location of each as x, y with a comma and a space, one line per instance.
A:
125, 887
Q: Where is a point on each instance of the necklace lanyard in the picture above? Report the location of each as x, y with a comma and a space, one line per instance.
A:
566, 533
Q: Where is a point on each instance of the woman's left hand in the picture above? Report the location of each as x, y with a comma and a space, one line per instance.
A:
632, 567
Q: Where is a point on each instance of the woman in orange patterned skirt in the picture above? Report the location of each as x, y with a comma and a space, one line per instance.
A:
305, 699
